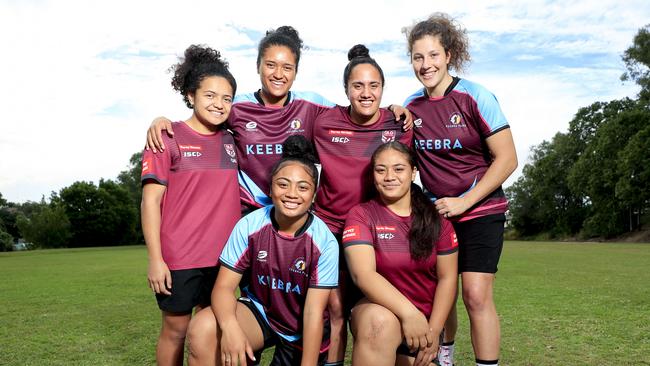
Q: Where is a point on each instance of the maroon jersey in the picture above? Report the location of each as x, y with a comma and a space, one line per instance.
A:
450, 133
372, 223
282, 268
200, 205
344, 149
260, 130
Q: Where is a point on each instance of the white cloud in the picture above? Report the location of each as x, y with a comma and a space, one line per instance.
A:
82, 80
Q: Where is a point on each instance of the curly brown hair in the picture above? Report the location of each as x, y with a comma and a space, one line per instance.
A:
451, 34
199, 62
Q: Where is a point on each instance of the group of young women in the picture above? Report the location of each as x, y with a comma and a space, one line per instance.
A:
376, 249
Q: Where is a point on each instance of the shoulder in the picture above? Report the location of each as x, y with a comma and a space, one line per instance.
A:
247, 97
255, 220
418, 94
311, 97
475, 90
320, 233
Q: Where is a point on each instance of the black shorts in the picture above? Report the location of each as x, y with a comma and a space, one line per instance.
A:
286, 353
190, 287
480, 242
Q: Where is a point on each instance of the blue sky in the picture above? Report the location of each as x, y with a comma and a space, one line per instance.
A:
82, 80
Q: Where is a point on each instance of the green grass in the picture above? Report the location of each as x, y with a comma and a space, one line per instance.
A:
560, 304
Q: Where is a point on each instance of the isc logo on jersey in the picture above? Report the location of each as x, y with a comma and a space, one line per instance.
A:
190, 151
418, 123
385, 232
340, 136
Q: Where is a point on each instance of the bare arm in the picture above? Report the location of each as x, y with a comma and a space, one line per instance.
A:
154, 134
234, 343
362, 265
312, 336
504, 162
158, 273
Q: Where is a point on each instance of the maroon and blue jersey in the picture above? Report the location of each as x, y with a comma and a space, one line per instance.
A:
259, 132
282, 268
449, 134
200, 205
372, 223
344, 149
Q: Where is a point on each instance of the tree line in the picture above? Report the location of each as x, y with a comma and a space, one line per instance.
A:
594, 180
80, 215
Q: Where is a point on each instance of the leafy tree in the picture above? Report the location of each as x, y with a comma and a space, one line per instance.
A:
3, 202
634, 176
48, 227
637, 62
130, 180
6, 241
596, 173
102, 215
540, 200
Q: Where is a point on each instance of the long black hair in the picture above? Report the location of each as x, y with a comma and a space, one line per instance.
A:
199, 63
425, 226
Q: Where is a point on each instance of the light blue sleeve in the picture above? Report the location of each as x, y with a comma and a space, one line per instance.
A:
326, 272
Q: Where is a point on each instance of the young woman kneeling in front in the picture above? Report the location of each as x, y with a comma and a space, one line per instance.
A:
403, 257
290, 260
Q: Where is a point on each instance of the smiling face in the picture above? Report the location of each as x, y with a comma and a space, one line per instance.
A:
430, 63
292, 192
211, 103
277, 73
393, 175
364, 92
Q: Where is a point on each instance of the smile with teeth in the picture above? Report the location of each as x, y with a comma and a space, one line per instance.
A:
290, 205
366, 103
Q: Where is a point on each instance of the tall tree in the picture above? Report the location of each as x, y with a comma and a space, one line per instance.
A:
637, 62
130, 180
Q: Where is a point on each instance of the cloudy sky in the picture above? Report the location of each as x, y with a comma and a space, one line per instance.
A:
82, 80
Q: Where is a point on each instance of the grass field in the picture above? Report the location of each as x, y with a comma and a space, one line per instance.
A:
560, 304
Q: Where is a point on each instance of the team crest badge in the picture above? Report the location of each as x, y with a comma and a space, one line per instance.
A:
387, 136
455, 118
295, 124
298, 266
230, 150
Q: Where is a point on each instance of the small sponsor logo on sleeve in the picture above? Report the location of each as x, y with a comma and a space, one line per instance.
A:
146, 165
351, 233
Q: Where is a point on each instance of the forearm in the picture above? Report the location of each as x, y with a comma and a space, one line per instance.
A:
312, 336
224, 306
442, 303
151, 228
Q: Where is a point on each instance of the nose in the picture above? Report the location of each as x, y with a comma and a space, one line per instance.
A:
365, 92
217, 103
278, 73
427, 62
292, 192
389, 175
